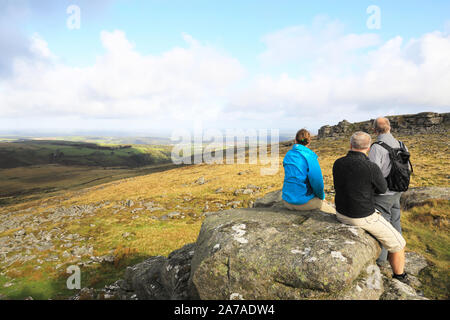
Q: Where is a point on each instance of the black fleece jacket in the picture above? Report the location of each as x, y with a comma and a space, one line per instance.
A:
356, 180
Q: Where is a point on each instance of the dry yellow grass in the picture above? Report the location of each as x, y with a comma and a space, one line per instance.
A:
177, 190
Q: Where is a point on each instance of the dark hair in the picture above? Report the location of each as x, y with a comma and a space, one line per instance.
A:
303, 137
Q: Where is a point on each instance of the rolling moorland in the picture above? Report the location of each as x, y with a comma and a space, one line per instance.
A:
31, 169
107, 225
70, 153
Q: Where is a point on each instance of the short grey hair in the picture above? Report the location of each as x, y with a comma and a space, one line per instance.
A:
382, 125
360, 140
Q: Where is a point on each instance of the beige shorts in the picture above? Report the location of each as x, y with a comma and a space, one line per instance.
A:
314, 203
380, 228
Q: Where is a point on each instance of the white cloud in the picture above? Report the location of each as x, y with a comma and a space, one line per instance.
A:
324, 43
39, 47
183, 83
395, 77
353, 76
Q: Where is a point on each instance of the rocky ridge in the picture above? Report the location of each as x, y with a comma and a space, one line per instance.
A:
425, 122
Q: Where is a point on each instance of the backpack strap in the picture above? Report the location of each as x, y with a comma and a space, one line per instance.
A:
384, 145
402, 145
389, 149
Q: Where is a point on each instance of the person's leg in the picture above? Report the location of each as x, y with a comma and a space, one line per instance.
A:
322, 205
328, 208
396, 213
310, 205
397, 261
384, 205
385, 233
299, 207
383, 257
313, 204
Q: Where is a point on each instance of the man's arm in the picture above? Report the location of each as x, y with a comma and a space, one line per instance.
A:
335, 176
315, 178
375, 155
378, 180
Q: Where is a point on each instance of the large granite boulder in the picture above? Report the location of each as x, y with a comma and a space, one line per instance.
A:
396, 290
419, 196
157, 278
266, 252
274, 253
271, 199
414, 263
160, 278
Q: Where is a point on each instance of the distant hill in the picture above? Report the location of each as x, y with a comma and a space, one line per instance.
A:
97, 139
38, 152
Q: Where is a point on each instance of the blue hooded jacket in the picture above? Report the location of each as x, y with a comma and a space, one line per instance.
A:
303, 178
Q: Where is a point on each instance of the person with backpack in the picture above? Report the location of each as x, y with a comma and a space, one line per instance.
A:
357, 181
392, 157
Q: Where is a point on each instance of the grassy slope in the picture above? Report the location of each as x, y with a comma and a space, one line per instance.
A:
27, 171
177, 187
38, 152
427, 231
23, 184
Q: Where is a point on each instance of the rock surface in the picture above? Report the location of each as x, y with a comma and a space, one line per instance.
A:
419, 196
425, 122
396, 290
272, 199
266, 252
278, 254
414, 263
157, 278
160, 278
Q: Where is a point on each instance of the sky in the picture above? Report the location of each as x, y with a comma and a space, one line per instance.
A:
155, 66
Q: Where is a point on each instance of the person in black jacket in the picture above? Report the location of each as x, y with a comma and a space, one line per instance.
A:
356, 181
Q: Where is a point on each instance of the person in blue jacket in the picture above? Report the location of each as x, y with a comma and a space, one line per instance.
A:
303, 187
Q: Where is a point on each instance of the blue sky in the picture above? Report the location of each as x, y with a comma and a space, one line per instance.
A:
264, 64
234, 26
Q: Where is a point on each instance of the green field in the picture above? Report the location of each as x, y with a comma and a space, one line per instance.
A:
38, 152
30, 169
